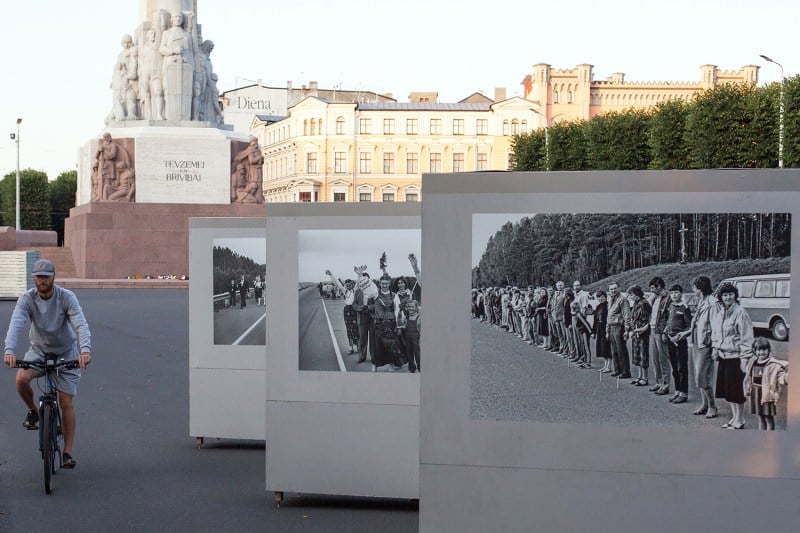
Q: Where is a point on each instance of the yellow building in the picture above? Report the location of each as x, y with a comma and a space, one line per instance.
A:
377, 152
573, 94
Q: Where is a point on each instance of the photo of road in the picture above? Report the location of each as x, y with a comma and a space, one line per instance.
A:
353, 289
239, 274
663, 319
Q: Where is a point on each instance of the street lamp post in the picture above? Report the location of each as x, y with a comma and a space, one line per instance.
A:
19, 221
780, 113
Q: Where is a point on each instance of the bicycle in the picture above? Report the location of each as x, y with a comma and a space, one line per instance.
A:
50, 436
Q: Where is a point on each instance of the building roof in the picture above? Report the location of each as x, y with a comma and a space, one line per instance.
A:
270, 118
422, 106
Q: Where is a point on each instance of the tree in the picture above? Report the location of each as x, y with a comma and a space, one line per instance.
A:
666, 136
34, 204
530, 150
618, 141
61, 196
567, 146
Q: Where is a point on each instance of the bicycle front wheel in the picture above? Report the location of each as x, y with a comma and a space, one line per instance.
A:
48, 429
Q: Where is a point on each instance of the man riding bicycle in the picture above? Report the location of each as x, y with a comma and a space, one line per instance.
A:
55, 318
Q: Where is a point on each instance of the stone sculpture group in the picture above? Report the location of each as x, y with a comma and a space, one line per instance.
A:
169, 77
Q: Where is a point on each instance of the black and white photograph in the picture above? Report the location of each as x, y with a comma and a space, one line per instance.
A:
360, 300
669, 319
239, 280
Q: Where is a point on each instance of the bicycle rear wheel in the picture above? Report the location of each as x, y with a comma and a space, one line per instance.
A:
48, 445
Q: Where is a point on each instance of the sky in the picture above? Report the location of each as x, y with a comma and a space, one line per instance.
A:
253, 247
340, 250
57, 55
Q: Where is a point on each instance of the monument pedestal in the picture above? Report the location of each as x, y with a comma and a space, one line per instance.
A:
111, 240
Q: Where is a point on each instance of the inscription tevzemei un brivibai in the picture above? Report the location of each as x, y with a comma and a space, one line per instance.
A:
181, 169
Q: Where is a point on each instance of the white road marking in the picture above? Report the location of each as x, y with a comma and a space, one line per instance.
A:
333, 339
240, 339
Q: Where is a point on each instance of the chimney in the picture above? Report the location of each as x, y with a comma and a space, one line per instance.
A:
289, 85
312, 85
500, 94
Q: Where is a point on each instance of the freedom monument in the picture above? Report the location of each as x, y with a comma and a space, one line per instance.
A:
165, 154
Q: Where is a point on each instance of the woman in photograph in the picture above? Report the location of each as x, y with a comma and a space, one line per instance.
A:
388, 350
350, 315
640, 334
731, 342
401, 297
602, 342
701, 346
542, 329
570, 350
411, 332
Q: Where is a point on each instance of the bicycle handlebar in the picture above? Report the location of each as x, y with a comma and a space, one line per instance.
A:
43, 367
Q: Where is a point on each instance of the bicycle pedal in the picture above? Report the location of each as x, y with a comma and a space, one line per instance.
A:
32, 428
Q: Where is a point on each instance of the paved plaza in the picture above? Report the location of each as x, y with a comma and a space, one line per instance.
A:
138, 469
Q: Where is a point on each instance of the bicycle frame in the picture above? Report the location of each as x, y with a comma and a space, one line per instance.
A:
50, 435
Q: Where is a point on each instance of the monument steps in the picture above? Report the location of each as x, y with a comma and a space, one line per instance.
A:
60, 256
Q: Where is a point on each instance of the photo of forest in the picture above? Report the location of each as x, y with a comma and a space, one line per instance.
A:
631, 318
592, 246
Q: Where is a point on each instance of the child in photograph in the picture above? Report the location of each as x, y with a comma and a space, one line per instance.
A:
763, 379
602, 342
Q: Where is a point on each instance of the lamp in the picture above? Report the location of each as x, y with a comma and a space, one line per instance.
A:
19, 221
780, 113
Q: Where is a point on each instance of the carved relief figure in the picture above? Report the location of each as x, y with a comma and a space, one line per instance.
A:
151, 92
108, 155
254, 160
125, 186
242, 192
97, 182
123, 83
178, 69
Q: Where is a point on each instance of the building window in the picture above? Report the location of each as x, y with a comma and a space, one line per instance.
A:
388, 126
411, 126
305, 196
505, 127
436, 126
388, 197
515, 127
388, 162
305, 127
482, 126
339, 162
311, 163
365, 163
339, 197
365, 125
569, 97
412, 197
313, 126
458, 162
483, 161
340, 126
412, 163
365, 197
458, 126
436, 163
510, 161
524, 126
555, 97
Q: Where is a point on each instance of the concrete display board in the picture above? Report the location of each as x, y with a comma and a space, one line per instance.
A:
335, 425
518, 438
226, 339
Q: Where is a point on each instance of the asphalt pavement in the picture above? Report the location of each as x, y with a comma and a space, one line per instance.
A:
138, 469
512, 380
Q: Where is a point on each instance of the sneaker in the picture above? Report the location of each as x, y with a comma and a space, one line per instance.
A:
32, 420
68, 461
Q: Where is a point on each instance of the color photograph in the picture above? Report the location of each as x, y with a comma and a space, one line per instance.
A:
239, 274
631, 319
360, 300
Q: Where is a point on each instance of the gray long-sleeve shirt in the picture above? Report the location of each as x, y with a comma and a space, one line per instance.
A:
54, 324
